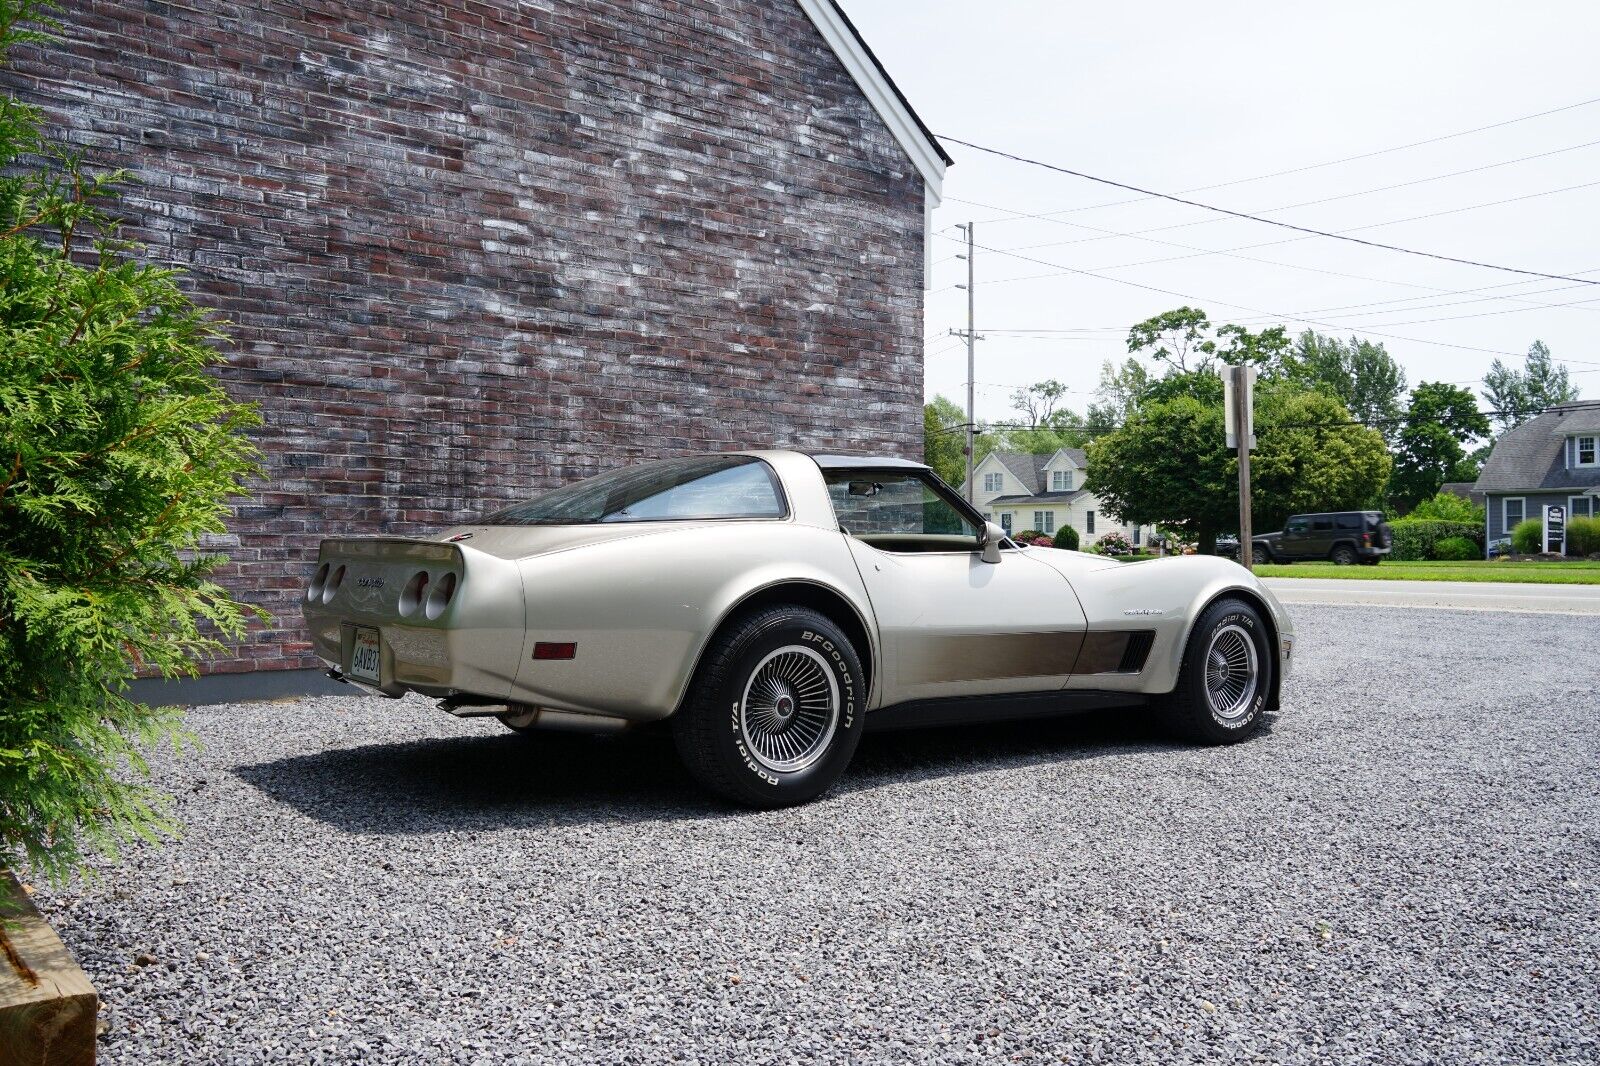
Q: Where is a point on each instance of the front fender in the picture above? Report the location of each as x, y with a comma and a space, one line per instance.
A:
1168, 596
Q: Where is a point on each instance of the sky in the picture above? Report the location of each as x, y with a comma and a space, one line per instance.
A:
1177, 96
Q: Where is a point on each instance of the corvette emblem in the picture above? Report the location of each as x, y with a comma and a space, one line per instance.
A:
1142, 611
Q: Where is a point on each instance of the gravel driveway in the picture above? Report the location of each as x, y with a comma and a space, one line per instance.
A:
1405, 868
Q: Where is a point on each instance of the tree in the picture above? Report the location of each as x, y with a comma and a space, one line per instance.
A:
1168, 463
1118, 395
118, 453
1037, 403
1440, 421
1515, 396
1361, 375
1175, 337
943, 441
1265, 350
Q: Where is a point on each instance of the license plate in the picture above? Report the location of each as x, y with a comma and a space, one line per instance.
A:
365, 652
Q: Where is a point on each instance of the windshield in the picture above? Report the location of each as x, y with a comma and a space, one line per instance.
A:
701, 487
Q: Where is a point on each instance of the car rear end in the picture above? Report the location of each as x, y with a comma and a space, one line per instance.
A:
1376, 539
397, 615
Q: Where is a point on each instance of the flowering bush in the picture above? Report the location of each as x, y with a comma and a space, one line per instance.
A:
1114, 543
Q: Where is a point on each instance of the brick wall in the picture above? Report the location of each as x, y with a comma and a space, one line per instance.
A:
471, 250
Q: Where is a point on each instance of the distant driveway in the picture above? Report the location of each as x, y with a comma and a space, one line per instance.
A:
1460, 595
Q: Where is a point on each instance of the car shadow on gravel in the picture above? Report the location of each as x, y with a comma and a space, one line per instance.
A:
464, 783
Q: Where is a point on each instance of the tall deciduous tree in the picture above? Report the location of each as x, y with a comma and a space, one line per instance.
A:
1178, 338
1441, 420
943, 440
1515, 396
118, 453
1168, 464
1118, 395
1360, 374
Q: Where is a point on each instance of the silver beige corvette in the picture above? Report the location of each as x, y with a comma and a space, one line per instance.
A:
772, 605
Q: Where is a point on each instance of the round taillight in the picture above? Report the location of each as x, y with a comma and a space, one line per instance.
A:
335, 579
440, 595
318, 580
412, 596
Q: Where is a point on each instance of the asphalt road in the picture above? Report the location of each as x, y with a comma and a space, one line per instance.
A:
1457, 595
1404, 867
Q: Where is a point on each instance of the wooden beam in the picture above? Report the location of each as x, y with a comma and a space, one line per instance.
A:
48, 1008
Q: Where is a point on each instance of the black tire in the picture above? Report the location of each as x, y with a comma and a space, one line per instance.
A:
733, 747
1372, 560
1191, 709
1260, 555
1344, 555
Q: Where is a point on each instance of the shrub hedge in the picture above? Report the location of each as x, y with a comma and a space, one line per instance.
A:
1453, 548
1067, 537
1416, 539
1583, 536
1527, 537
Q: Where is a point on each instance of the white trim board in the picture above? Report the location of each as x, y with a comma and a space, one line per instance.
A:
886, 102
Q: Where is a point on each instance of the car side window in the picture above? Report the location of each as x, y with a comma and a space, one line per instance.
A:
1297, 525
1349, 521
1322, 525
879, 506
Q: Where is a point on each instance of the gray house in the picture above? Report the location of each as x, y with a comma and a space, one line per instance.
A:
1553, 460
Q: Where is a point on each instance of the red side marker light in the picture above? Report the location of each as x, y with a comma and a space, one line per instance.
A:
546, 650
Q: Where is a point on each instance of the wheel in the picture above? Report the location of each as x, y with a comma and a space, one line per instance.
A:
1344, 555
1225, 677
1260, 555
775, 710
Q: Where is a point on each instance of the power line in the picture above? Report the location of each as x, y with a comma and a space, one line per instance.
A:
1353, 423
1312, 166
1245, 307
1232, 254
1274, 222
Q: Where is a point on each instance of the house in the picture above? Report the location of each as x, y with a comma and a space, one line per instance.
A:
1021, 491
1551, 460
470, 251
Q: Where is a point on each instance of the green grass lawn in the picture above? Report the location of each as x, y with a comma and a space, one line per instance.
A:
1571, 572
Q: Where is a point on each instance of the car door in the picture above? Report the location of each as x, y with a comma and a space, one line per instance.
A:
1320, 541
949, 623
1295, 533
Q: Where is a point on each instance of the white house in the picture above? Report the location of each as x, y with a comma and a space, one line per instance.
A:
1045, 492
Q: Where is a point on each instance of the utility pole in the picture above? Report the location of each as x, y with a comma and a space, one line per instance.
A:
1241, 435
972, 340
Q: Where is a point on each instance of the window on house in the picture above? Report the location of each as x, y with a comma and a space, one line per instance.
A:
1135, 536
1088, 522
1061, 481
1580, 507
1514, 510
1044, 521
1586, 451
993, 482
1005, 522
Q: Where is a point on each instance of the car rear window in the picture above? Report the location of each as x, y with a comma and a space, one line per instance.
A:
700, 487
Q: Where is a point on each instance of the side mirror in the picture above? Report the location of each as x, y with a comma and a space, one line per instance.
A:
989, 540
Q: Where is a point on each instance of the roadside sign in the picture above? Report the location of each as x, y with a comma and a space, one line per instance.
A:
1555, 529
1231, 410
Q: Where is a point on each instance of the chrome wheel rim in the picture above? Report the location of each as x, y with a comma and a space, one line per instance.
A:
1232, 673
790, 709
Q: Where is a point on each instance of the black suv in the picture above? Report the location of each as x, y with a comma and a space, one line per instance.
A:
1345, 537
